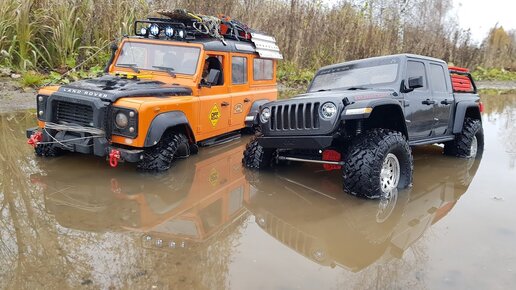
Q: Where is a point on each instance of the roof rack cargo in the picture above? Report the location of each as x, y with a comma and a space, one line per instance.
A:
183, 25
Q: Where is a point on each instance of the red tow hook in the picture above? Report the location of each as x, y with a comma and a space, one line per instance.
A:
35, 138
331, 155
114, 156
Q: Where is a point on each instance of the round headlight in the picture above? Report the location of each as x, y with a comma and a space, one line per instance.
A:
121, 120
154, 29
169, 31
265, 115
328, 110
143, 31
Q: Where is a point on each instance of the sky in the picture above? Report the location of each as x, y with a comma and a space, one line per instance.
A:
481, 15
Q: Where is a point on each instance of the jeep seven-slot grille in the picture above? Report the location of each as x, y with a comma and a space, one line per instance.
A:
289, 235
295, 117
74, 113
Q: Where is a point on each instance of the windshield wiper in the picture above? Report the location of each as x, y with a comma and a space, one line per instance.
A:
169, 70
132, 66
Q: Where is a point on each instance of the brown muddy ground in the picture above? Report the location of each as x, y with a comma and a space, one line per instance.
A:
73, 222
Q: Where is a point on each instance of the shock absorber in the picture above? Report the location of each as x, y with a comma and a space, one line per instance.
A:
359, 127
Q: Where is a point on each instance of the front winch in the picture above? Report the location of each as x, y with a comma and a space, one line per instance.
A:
35, 139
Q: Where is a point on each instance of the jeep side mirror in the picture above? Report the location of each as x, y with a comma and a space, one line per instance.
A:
415, 83
211, 79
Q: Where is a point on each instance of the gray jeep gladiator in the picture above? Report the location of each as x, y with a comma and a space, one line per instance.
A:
363, 116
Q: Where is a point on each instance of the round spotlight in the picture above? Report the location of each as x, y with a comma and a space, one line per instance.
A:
154, 29
169, 31
143, 31
182, 34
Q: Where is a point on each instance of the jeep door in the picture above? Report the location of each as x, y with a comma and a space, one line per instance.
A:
215, 101
419, 105
443, 97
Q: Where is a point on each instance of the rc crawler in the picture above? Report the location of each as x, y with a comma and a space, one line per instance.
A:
362, 117
185, 80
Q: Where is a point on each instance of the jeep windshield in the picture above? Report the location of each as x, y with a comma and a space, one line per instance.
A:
158, 57
360, 75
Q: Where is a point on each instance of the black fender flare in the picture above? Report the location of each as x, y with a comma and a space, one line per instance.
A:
460, 114
164, 121
375, 104
251, 118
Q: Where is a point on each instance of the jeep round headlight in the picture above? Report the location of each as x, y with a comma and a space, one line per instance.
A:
169, 31
265, 115
121, 120
328, 110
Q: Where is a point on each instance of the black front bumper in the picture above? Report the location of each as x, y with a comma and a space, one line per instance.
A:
95, 146
296, 142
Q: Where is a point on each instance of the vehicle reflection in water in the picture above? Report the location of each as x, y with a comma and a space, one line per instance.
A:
332, 229
195, 200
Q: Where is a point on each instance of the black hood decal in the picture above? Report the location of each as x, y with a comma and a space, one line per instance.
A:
111, 88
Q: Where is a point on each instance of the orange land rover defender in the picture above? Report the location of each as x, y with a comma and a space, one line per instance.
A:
183, 81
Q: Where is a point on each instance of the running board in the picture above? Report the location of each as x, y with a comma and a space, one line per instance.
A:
341, 163
220, 139
432, 141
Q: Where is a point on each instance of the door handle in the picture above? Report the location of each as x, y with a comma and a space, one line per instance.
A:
446, 102
428, 102
224, 104
246, 100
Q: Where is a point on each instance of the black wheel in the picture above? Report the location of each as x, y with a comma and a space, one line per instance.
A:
47, 150
376, 163
469, 143
160, 157
257, 157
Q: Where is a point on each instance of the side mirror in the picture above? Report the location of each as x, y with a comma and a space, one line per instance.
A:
415, 83
211, 79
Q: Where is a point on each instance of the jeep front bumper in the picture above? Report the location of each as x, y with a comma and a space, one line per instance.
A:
296, 142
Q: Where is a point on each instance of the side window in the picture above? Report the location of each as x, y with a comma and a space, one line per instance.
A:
263, 69
437, 79
213, 63
417, 69
239, 70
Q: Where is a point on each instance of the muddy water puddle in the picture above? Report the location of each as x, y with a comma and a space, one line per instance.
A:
73, 222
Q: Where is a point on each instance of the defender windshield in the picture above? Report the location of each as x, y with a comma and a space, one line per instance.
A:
158, 57
363, 74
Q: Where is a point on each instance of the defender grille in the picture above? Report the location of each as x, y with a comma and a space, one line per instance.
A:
74, 113
295, 117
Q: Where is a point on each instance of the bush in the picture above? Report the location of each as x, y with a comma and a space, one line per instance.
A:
32, 79
493, 74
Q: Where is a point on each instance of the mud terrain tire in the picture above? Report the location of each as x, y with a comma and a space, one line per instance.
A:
461, 146
161, 156
257, 157
47, 150
364, 160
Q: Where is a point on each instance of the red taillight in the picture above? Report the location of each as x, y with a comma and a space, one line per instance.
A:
481, 107
331, 155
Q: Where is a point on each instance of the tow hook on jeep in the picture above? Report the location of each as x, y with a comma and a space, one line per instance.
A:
331, 155
114, 157
35, 138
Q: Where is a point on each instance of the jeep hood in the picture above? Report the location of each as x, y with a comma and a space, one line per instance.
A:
338, 96
111, 88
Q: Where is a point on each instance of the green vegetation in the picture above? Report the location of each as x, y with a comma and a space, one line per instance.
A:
52, 36
493, 74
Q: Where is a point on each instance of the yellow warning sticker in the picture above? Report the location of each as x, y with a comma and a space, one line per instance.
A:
214, 115
214, 177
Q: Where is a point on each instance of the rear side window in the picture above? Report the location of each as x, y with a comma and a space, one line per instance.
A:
262, 69
417, 69
437, 79
239, 70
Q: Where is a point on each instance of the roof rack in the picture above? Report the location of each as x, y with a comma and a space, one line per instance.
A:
183, 25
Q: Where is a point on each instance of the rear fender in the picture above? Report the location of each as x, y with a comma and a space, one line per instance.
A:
471, 109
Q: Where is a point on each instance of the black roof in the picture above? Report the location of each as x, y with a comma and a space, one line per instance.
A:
399, 56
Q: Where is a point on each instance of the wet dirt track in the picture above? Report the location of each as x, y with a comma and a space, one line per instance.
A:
72, 222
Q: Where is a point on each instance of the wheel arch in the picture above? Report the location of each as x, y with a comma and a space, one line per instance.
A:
166, 122
387, 115
465, 110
